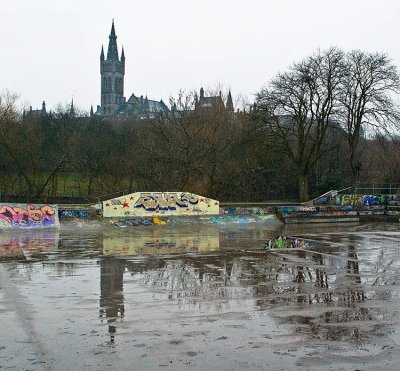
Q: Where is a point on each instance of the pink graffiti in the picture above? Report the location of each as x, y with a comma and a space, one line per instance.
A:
20, 215
12, 214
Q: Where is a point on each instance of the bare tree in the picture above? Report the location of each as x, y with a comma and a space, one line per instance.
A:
167, 147
9, 122
37, 147
187, 148
366, 99
298, 107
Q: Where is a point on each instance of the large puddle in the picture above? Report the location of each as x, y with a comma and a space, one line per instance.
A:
200, 296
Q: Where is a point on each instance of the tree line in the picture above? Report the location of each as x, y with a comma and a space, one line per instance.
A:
327, 122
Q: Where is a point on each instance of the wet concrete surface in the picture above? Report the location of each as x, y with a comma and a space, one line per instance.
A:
200, 296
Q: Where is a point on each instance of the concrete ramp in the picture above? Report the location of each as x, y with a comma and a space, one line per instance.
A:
152, 204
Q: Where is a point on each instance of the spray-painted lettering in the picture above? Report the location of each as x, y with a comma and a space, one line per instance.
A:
165, 201
373, 200
21, 215
159, 203
351, 200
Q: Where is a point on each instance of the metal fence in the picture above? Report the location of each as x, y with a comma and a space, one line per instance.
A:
377, 189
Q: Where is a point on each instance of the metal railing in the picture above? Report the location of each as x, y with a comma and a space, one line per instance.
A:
376, 188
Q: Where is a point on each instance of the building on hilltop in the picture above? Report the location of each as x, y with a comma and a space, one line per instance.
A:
213, 101
113, 102
112, 71
35, 113
143, 107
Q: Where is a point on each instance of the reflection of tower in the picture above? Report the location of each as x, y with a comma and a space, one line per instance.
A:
357, 294
111, 292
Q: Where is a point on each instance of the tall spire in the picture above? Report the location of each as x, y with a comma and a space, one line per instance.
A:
112, 53
122, 55
112, 28
72, 109
112, 71
229, 102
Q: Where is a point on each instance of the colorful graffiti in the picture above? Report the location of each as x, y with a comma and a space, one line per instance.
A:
28, 216
159, 203
326, 198
166, 201
362, 200
289, 209
283, 242
73, 214
236, 210
350, 200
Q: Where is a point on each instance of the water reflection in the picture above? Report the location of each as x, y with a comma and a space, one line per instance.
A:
344, 286
321, 291
27, 244
178, 239
162, 240
111, 293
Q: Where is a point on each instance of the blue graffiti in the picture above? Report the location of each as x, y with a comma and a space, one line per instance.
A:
73, 214
370, 200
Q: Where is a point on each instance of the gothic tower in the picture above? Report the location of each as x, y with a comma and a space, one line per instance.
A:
112, 71
229, 102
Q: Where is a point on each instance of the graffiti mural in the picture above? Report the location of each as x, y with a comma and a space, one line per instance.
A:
326, 198
375, 200
289, 209
362, 200
350, 200
73, 214
237, 210
28, 216
159, 203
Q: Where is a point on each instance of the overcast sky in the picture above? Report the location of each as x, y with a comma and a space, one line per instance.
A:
50, 49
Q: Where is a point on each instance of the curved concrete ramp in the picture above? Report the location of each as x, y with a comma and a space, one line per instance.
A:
159, 204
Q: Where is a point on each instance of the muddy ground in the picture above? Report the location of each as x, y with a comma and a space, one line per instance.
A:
200, 296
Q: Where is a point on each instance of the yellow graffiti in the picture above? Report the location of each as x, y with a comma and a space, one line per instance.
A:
352, 200
160, 203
